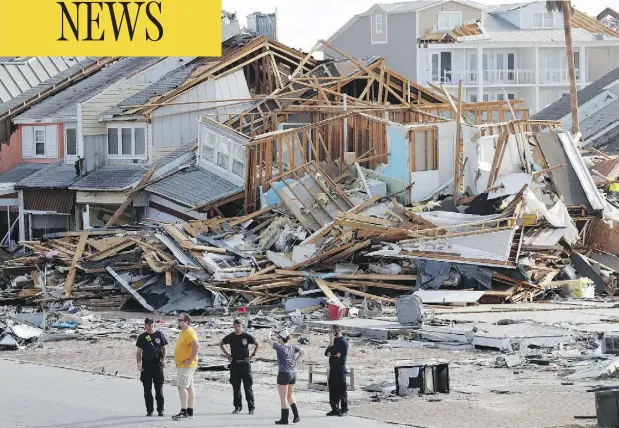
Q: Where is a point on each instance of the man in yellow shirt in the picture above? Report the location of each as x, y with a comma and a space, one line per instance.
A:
186, 357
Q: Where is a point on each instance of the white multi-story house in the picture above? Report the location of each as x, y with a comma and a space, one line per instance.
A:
519, 48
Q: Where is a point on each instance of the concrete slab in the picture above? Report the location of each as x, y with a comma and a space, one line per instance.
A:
376, 329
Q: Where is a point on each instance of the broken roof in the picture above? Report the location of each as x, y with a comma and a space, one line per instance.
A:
19, 74
64, 104
111, 178
19, 172
53, 176
598, 108
194, 187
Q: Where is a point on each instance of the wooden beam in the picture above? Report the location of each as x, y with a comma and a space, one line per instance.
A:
324, 286
131, 291
130, 198
68, 285
360, 293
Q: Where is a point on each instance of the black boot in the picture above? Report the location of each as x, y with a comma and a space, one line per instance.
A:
295, 413
284, 419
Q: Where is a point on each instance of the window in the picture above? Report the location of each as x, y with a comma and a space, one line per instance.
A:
449, 20
441, 67
140, 141
208, 148
379, 24
39, 142
126, 142
238, 160
543, 20
473, 98
577, 63
435, 67
70, 141
223, 153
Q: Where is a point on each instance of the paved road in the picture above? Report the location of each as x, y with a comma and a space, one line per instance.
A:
46, 397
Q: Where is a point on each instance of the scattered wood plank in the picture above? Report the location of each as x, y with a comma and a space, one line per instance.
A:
130, 198
68, 285
360, 293
324, 286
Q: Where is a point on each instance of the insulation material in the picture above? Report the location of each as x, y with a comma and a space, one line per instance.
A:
557, 216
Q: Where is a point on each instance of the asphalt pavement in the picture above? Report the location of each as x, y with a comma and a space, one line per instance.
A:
47, 397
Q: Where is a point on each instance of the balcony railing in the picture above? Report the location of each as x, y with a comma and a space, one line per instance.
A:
491, 77
559, 75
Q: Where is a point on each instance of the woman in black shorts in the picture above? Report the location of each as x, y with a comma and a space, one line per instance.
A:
287, 357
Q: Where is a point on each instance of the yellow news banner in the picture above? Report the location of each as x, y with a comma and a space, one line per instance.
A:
110, 28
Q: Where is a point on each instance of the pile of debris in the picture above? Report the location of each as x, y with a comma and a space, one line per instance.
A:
516, 231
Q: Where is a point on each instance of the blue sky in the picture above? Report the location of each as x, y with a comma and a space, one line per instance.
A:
301, 25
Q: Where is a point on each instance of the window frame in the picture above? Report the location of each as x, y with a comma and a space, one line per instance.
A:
542, 19
34, 142
67, 127
376, 24
450, 25
119, 153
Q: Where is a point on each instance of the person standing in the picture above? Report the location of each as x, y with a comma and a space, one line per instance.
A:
151, 356
186, 358
240, 365
337, 353
287, 357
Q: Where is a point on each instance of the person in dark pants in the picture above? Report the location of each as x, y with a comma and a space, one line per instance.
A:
151, 356
337, 353
240, 365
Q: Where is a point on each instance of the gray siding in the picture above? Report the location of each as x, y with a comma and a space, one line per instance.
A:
399, 51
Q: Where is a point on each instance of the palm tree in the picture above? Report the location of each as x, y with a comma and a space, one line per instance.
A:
565, 7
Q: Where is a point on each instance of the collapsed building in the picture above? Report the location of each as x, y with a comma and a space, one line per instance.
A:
271, 176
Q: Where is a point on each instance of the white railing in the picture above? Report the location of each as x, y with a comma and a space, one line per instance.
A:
471, 77
559, 75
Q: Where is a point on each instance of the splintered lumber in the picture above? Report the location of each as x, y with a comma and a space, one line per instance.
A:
186, 243
157, 251
131, 291
251, 216
322, 256
281, 284
376, 277
68, 285
324, 286
123, 245
168, 278
348, 252
359, 293
377, 285
130, 198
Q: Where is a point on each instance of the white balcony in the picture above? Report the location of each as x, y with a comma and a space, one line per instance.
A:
556, 76
491, 77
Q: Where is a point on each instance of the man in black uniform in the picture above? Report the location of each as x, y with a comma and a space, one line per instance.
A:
151, 356
240, 365
337, 353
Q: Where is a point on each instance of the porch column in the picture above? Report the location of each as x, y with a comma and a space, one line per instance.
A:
537, 80
22, 226
480, 76
582, 65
